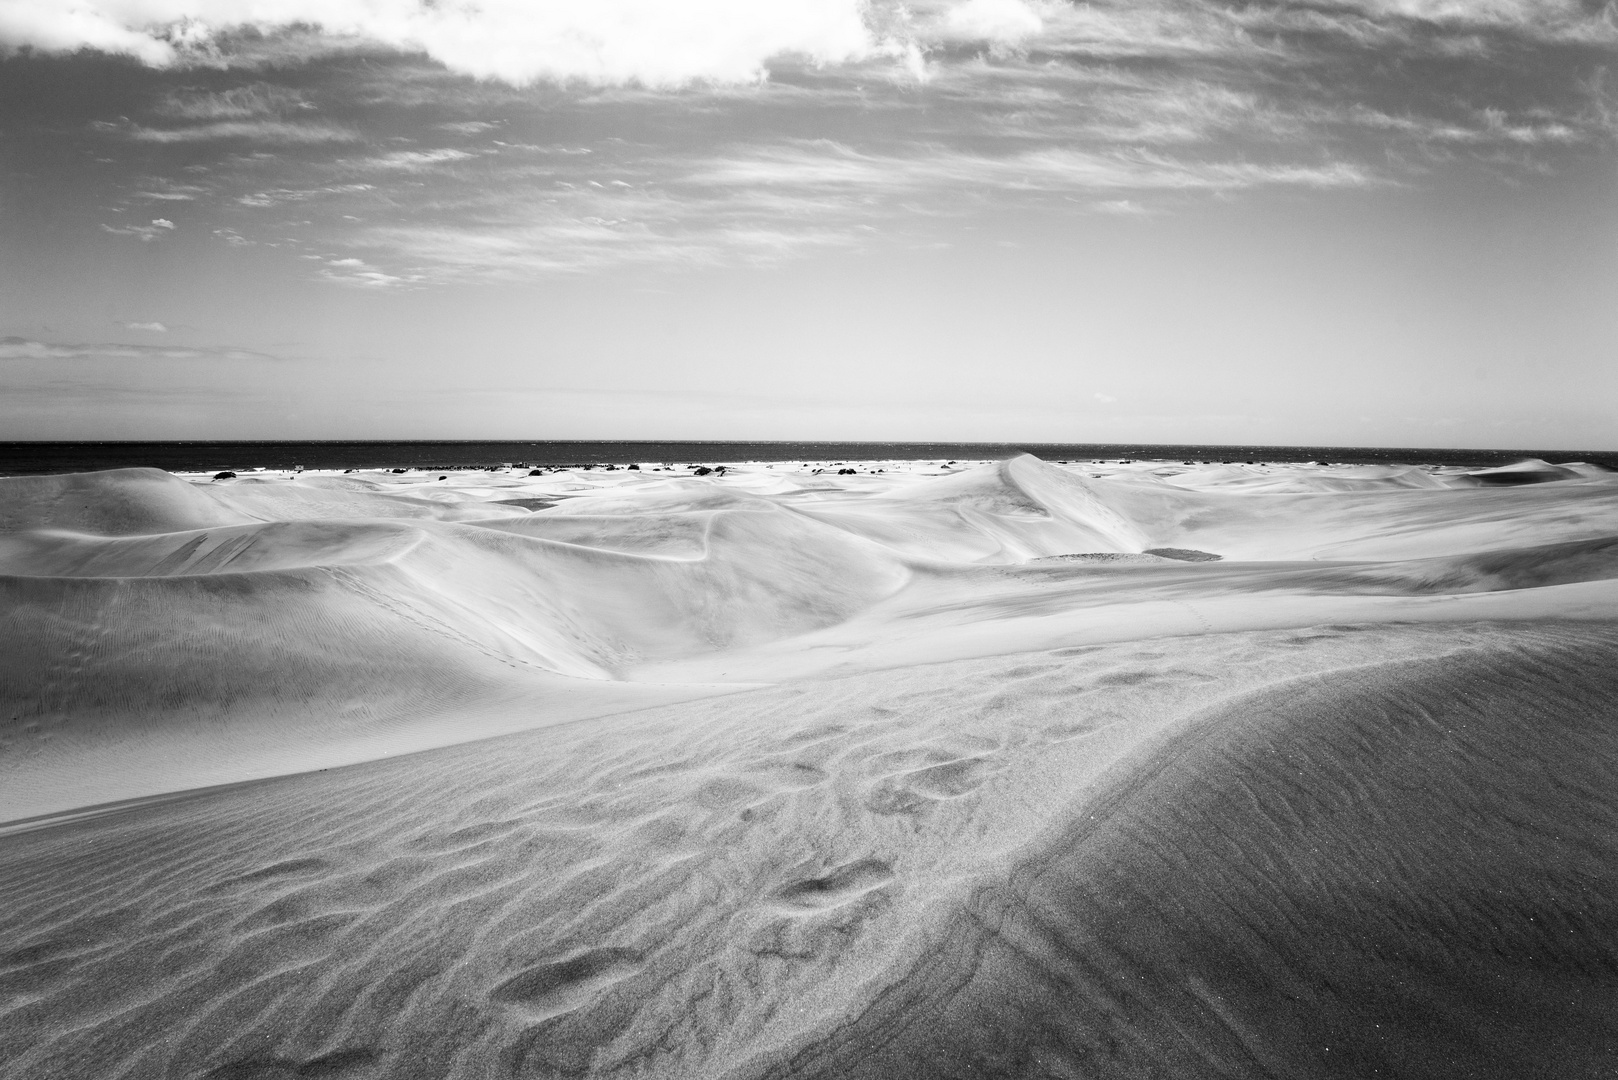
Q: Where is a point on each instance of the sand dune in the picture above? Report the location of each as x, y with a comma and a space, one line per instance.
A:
933, 771
1041, 864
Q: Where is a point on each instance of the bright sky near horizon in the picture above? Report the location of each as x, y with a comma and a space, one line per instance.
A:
1343, 222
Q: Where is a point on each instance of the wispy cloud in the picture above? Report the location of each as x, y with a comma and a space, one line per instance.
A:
235, 103
659, 132
150, 327
19, 348
470, 127
414, 160
146, 233
274, 132
1055, 170
276, 196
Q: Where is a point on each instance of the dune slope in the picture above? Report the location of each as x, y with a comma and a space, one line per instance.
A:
1407, 869
1062, 863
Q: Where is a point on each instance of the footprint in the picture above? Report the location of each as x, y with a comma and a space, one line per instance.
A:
816, 734
464, 838
726, 792
791, 776
287, 909
286, 868
1126, 678
1077, 650
1300, 639
843, 885
908, 792
398, 872
547, 990
1028, 670
950, 780
337, 1063
30, 955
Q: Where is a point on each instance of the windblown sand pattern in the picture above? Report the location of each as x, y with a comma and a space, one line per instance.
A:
931, 772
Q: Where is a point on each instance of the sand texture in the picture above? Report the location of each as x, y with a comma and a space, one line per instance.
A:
972, 770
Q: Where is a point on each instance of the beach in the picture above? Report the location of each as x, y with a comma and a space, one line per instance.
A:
910, 768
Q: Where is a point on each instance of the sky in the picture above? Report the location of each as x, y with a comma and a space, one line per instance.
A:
1342, 222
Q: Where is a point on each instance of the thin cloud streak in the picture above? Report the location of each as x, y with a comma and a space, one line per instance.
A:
145, 233
23, 349
272, 132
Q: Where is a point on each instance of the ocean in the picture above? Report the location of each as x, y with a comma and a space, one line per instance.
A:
33, 458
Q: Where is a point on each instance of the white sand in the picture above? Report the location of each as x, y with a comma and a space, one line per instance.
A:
802, 773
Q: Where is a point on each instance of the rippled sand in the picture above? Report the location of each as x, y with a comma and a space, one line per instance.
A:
929, 772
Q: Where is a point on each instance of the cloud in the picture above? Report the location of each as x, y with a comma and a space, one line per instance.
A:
147, 233
1441, 27
57, 27
281, 132
666, 44
236, 103
651, 42
360, 274
1054, 170
1005, 21
415, 160
773, 203
1110, 107
276, 196
152, 327
20, 348
1124, 207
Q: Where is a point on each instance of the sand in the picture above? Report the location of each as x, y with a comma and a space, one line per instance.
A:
983, 769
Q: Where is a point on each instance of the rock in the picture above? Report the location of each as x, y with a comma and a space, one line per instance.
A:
703, 470
633, 468
226, 475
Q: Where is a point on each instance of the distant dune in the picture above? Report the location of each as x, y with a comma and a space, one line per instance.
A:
989, 770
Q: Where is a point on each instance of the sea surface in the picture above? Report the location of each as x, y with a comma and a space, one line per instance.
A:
25, 458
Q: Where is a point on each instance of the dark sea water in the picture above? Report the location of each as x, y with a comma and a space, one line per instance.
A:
24, 458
